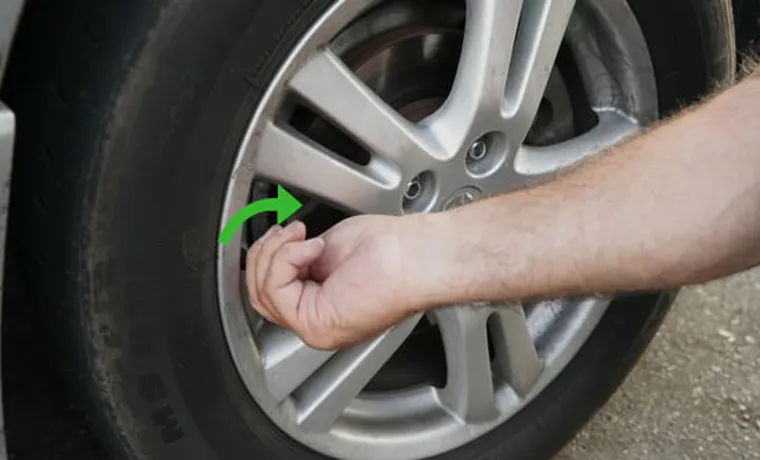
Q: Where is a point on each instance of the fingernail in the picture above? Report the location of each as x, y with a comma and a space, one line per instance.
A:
315, 243
268, 233
293, 226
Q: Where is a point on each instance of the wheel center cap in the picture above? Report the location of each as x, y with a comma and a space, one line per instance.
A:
461, 197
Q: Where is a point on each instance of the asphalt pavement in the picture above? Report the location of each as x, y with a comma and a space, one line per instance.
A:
695, 394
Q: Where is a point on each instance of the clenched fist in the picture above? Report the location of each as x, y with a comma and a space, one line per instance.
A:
354, 281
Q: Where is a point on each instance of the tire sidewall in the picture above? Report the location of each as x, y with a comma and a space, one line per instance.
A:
152, 318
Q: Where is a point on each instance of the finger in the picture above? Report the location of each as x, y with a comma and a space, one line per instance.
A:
252, 289
266, 235
292, 233
250, 276
283, 285
280, 236
309, 327
290, 260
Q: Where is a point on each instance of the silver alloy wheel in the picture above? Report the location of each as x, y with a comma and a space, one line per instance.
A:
472, 144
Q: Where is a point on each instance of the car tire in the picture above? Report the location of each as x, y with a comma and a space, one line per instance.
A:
129, 121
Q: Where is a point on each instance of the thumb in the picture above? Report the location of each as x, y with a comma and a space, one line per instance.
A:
307, 252
292, 261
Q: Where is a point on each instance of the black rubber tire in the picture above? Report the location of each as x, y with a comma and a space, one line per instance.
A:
129, 116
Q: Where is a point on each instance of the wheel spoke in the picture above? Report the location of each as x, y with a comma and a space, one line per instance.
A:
542, 29
287, 361
469, 391
322, 399
338, 94
478, 91
516, 358
533, 162
289, 158
504, 179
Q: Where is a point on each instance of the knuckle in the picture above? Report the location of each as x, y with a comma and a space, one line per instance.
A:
257, 304
286, 253
256, 246
256, 297
266, 302
277, 235
253, 296
320, 341
268, 245
263, 312
250, 256
266, 249
286, 250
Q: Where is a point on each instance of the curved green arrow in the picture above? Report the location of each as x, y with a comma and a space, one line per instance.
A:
284, 205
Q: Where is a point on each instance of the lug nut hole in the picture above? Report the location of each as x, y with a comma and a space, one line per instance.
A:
413, 189
419, 193
478, 150
486, 154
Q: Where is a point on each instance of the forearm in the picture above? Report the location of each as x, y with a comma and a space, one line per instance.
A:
679, 205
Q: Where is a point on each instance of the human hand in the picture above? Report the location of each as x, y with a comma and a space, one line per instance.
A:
347, 285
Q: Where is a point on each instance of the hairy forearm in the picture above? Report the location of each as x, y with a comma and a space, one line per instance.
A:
676, 206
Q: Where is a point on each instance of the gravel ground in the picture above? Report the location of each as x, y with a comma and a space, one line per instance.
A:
695, 394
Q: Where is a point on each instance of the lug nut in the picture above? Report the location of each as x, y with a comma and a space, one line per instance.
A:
419, 193
413, 189
478, 150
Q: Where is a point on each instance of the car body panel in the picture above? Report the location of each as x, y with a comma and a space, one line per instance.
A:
10, 12
7, 129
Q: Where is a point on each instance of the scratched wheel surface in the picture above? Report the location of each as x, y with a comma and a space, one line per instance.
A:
386, 107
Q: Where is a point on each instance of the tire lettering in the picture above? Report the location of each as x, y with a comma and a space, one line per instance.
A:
151, 387
170, 429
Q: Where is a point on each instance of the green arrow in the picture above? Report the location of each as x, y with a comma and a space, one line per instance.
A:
284, 205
